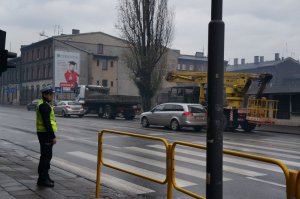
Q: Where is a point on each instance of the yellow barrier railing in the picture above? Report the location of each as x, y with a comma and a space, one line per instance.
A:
292, 177
289, 182
297, 186
100, 160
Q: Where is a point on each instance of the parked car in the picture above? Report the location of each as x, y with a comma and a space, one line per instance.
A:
176, 116
32, 105
68, 108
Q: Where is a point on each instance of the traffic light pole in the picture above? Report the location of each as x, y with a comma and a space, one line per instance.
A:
214, 161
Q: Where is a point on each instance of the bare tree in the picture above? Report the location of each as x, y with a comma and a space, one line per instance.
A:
147, 26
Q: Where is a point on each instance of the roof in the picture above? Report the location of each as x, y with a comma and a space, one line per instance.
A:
88, 33
258, 65
192, 57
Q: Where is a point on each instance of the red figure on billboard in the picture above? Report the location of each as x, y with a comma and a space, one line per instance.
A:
71, 75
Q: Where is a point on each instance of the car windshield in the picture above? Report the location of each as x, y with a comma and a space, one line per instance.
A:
196, 109
35, 101
74, 103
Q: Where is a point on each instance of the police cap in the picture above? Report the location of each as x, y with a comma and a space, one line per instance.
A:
47, 90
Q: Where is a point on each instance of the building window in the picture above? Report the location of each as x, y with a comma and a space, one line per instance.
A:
44, 71
111, 84
32, 55
27, 57
183, 67
49, 51
38, 54
49, 71
104, 82
37, 91
45, 53
38, 73
111, 63
104, 64
27, 74
191, 67
98, 62
178, 67
100, 48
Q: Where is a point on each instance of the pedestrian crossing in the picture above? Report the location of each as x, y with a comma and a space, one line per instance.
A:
149, 160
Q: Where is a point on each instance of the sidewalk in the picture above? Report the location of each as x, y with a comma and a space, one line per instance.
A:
18, 176
279, 129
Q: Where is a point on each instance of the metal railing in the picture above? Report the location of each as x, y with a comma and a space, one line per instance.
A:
100, 160
292, 178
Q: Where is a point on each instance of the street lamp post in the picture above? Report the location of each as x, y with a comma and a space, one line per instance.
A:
214, 165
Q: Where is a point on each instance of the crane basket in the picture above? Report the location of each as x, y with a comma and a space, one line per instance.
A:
262, 111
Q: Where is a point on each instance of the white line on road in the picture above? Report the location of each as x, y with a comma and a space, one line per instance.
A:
93, 158
156, 163
201, 163
226, 159
267, 182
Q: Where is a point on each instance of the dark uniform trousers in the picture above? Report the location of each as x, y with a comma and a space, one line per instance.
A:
46, 155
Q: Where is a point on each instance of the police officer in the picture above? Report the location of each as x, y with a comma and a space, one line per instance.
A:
46, 128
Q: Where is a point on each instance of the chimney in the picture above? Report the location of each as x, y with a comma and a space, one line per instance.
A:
199, 54
277, 58
75, 31
261, 59
243, 61
256, 59
236, 61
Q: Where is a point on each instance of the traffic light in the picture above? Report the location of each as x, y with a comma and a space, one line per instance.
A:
4, 54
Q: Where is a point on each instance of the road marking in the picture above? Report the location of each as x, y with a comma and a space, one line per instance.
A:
267, 182
226, 159
109, 180
93, 158
265, 153
201, 163
161, 164
262, 147
274, 142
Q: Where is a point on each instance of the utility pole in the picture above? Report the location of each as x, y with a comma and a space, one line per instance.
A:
214, 161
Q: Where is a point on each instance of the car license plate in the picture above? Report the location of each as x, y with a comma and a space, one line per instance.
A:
199, 118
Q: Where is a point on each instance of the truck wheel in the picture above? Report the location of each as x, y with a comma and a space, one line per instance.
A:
225, 123
129, 115
100, 112
197, 128
110, 113
247, 127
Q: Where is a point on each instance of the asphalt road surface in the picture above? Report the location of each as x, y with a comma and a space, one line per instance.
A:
76, 151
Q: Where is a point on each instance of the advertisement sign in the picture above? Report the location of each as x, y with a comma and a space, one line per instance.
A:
67, 70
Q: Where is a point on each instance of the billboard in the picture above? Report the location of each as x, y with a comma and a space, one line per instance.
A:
67, 70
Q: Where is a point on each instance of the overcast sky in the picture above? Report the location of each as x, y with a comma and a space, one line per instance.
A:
253, 27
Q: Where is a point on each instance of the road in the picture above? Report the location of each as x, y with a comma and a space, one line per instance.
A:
77, 148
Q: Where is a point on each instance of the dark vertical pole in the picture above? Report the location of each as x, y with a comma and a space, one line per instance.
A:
214, 167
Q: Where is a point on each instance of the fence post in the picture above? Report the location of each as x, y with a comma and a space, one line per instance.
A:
292, 186
99, 159
170, 167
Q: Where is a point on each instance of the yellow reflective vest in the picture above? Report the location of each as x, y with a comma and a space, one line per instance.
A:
40, 127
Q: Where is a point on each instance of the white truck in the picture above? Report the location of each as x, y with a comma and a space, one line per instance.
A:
97, 99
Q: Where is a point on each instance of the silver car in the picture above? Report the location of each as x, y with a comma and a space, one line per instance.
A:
175, 116
67, 108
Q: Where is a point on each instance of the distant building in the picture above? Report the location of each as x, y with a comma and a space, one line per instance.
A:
10, 82
197, 62
285, 85
66, 61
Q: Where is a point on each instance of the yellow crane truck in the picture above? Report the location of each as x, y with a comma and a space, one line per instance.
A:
239, 108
